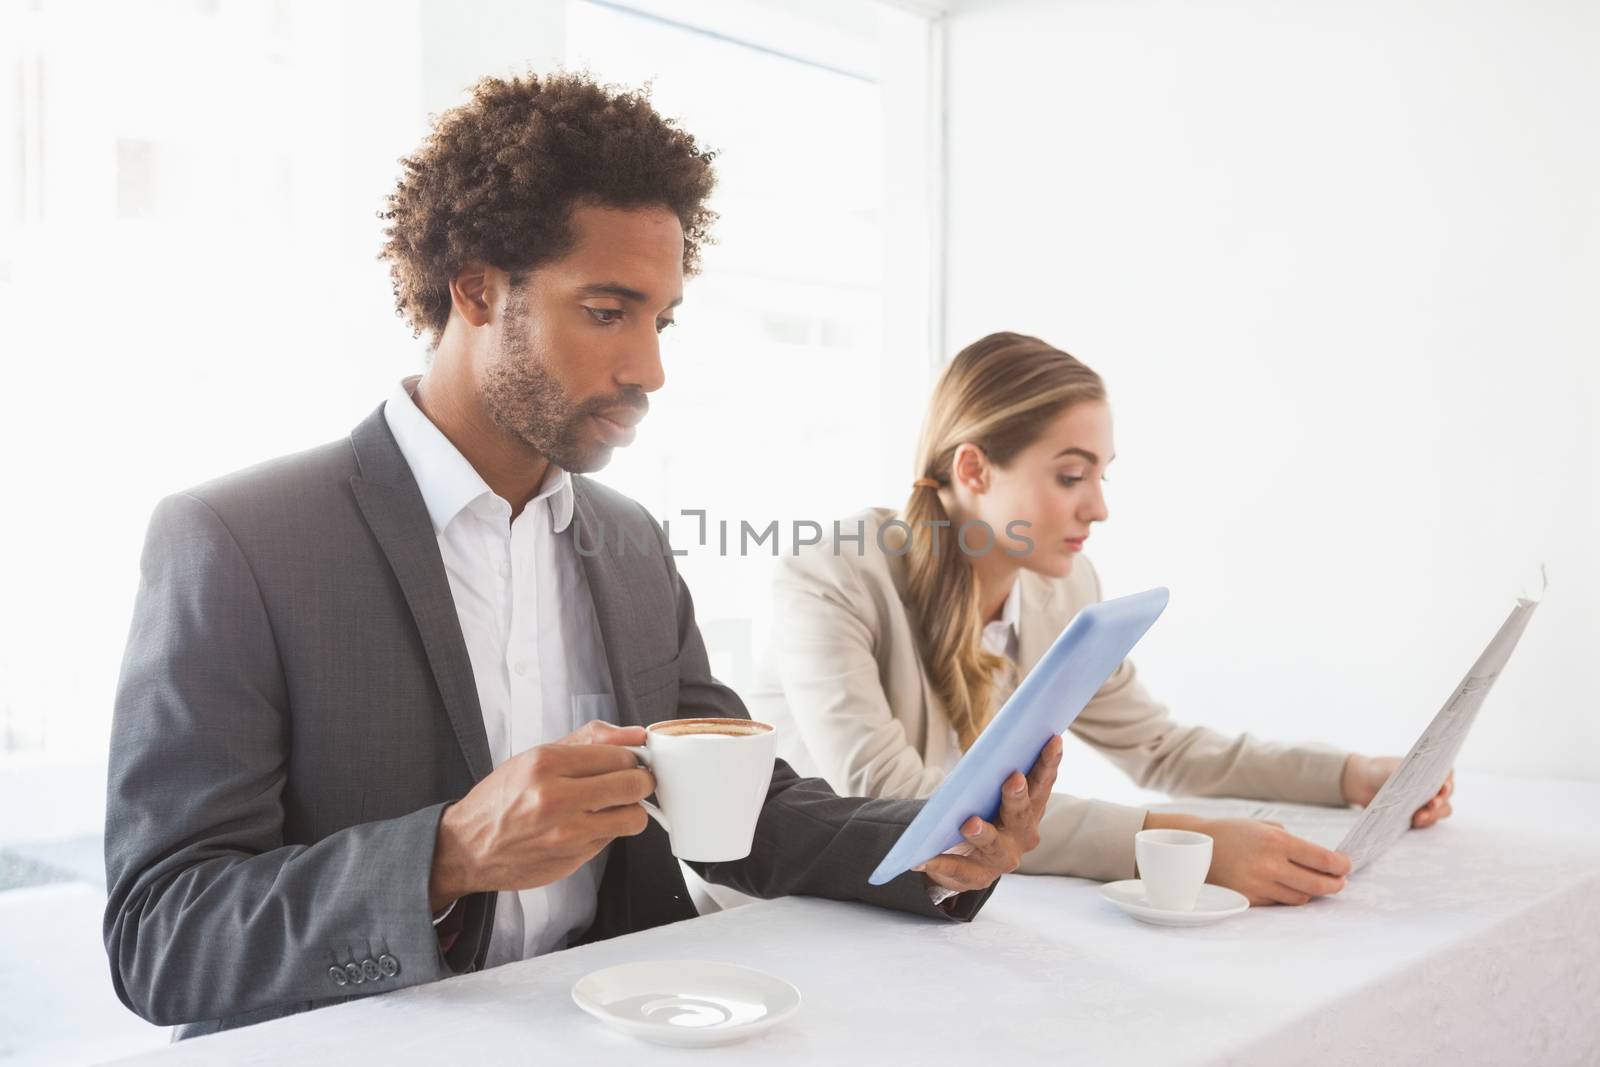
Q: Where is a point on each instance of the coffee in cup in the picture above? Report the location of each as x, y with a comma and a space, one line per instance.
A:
719, 727
711, 777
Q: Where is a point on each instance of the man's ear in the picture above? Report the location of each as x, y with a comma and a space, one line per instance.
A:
476, 290
970, 468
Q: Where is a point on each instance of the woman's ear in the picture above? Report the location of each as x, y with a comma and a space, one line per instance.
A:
969, 469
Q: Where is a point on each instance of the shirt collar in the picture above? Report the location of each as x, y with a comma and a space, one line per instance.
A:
448, 482
1011, 610
1011, 613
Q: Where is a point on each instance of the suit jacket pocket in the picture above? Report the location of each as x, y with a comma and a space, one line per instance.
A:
655, 689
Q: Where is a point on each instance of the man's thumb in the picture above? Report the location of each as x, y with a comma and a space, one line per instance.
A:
600, 732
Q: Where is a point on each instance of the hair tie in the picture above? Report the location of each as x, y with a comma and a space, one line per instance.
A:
925, 483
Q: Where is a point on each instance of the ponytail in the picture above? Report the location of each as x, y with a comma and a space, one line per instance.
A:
999, 393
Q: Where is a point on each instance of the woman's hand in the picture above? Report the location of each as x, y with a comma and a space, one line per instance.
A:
1364, 776
1262, 860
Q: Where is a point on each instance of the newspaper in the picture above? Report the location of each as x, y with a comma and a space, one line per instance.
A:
1428, 764
1319, 824
1365, 834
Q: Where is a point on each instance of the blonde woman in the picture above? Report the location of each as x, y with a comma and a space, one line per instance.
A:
893, 651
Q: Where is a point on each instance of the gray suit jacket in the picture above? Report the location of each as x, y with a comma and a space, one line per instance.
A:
296, 707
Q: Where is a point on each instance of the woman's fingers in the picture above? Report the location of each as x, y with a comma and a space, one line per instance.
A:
1267, 892
1310, 883
1283, 894
1290, 870
1317, 858
1431, 813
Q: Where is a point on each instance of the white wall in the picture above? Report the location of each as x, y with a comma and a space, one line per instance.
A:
1338, 265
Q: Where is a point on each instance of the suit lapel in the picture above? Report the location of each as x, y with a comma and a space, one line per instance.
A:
608, 589
392, 505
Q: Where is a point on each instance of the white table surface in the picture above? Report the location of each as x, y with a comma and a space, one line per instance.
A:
1477, 941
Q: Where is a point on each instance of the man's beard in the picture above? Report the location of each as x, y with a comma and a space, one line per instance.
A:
527, 401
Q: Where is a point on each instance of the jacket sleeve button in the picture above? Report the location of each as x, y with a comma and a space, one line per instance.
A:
338, 975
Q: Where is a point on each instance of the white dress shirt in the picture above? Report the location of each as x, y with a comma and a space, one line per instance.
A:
532, 636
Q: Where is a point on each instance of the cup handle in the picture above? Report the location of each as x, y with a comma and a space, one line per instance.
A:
643, 755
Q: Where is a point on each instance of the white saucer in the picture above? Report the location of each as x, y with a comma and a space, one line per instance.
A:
1215, 902
690, 1003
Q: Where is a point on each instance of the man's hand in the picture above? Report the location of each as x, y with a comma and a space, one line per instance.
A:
541, 814
1262, 860
1364, 776
995, 849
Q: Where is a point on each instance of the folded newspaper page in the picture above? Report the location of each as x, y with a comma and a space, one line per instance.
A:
1428, 764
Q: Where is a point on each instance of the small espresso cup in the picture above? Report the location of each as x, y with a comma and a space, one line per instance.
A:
711, 781
1173, 866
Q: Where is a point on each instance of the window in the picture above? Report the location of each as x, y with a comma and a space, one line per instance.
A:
796, 373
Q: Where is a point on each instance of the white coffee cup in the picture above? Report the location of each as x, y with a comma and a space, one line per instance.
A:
711, 781
1172, 865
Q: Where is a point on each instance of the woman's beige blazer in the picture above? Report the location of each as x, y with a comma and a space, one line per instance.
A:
843, 681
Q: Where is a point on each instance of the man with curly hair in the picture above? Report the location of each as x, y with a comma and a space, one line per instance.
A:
369, 730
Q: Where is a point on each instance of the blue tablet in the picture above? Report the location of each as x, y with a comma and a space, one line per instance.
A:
1094, 643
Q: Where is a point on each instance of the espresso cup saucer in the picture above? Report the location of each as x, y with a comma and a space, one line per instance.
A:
1215, 902
687, 1003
